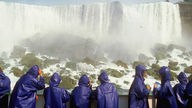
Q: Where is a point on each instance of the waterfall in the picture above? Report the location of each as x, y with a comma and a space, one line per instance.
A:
131, 25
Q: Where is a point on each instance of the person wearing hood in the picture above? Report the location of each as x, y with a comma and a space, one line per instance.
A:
165, 95
24, 92
81, 95
179, 90
138, 93
106, 93
55, 97
188, 94
4, 89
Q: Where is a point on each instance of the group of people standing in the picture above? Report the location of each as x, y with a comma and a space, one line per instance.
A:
24, 92
180, 96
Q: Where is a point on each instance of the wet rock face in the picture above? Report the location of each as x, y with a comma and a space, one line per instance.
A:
173, 65
17, 52
188, 69
30, 59
17, 72
114, 73
121, 63
68, 82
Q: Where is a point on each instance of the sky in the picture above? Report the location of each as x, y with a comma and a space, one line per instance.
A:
62, 2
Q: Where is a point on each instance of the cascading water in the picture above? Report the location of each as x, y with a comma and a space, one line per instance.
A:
135, 26
120, 30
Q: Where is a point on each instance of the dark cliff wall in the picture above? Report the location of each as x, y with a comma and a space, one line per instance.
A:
186, 18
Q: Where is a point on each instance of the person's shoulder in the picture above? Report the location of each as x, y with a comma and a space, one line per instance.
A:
112, 84
137, 79
76, 88
7, 78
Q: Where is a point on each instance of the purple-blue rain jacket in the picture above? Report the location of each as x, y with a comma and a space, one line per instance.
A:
188, 93
138, 93
55, 97
24, 92
165, 95
81, 95
179, 90
4, 85
106, 94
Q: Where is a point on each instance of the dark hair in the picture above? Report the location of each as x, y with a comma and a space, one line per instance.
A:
1, 70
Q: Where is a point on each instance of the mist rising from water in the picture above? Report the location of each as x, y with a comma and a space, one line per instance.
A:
122, 31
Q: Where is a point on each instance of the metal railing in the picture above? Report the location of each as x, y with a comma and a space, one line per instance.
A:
123, 102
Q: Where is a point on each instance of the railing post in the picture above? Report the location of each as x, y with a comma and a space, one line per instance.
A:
4, 102
153, 102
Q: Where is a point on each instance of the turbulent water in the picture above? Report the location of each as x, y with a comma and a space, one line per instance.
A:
134, 27
116, 29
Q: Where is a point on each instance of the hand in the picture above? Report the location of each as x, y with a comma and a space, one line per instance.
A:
40, 72
90, 85
155, 85
36, 97
148, 87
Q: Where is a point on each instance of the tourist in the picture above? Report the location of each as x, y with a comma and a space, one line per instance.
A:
179, 90
4, 89
165, 95
55, 97
138, 93
106, 93
24, 92
188, 93
81, 95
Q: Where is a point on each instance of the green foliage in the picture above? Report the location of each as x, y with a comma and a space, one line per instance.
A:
98, 82
30, 59
68, 82
71, 65
153, 73
155, 67
173, 76
114, 73
47, 77
188, 69
93, 77
190, 77
173, 65
121, 63
17, 72
18, 52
